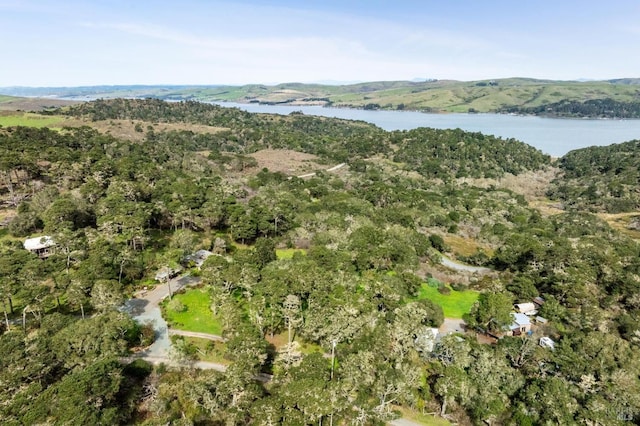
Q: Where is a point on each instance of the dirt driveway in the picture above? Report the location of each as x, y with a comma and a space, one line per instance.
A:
452, 325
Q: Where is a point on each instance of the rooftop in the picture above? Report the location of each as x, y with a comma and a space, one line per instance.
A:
38, 243
520, 320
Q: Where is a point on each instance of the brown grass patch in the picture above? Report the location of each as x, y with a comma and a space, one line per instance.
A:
620, 222
532, 185
286, 161
126, 129
465, 246
6, 215
547, 207
34, 104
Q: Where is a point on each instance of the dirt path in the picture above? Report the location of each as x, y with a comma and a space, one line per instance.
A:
451, 325
403, 422
462, 267
330, 169
207, 336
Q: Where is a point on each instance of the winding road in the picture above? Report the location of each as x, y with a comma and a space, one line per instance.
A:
146, 308
462, 267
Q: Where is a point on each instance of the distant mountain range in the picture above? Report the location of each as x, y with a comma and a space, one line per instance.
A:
519, 95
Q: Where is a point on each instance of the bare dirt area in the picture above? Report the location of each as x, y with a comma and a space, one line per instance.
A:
623, 222
126, 129
452, 325
532, 185
34, 104
286, 161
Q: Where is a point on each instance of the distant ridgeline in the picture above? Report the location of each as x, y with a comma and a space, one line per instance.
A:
443, 154
594, 108
602, 178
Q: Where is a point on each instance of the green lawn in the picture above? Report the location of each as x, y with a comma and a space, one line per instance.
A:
288, 253
28, 119
197, 317
454, 304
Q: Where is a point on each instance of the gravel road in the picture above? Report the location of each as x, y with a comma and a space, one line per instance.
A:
452, 264
145, 308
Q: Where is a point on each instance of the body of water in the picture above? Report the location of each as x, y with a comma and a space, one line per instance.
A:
554, 136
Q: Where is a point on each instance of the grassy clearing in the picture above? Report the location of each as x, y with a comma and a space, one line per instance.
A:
464, 246
620, 222
423, 419
197, 317
279, 341
209, 351
28, 120
454, 304
288, 253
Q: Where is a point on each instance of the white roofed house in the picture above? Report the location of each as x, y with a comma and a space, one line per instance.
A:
526, 308
42, 246
521, 324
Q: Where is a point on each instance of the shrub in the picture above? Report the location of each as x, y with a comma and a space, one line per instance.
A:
437, 242
177, 306
443, 289
147, 334
459, 286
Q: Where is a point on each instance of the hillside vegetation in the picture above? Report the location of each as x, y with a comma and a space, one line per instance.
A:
605, 178
341, 323
518, 95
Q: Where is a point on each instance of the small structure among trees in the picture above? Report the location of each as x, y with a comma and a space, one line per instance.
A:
521, 324
197, 258
166, 273
528, 308
42, 246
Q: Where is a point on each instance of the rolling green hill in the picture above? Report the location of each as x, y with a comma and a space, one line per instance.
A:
519, 95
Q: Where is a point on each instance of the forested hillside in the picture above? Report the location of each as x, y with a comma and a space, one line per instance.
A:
324, 285
603, 178
593, 108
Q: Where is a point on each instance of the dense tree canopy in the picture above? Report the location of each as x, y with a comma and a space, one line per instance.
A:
319, 281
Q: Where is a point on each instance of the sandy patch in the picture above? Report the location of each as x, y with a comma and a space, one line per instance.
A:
286, 161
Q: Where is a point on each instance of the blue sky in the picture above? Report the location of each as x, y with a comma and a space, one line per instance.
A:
72, 43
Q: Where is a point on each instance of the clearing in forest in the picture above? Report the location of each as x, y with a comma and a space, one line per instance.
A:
196, 315
454, 305
286, 161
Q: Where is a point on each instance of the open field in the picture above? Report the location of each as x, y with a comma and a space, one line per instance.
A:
454, 304
29, 120
11, 103
286, 161
288, 253
197, 317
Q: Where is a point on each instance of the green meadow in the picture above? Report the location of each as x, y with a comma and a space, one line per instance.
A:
197, 316
288, 253
454, 305
29, 120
